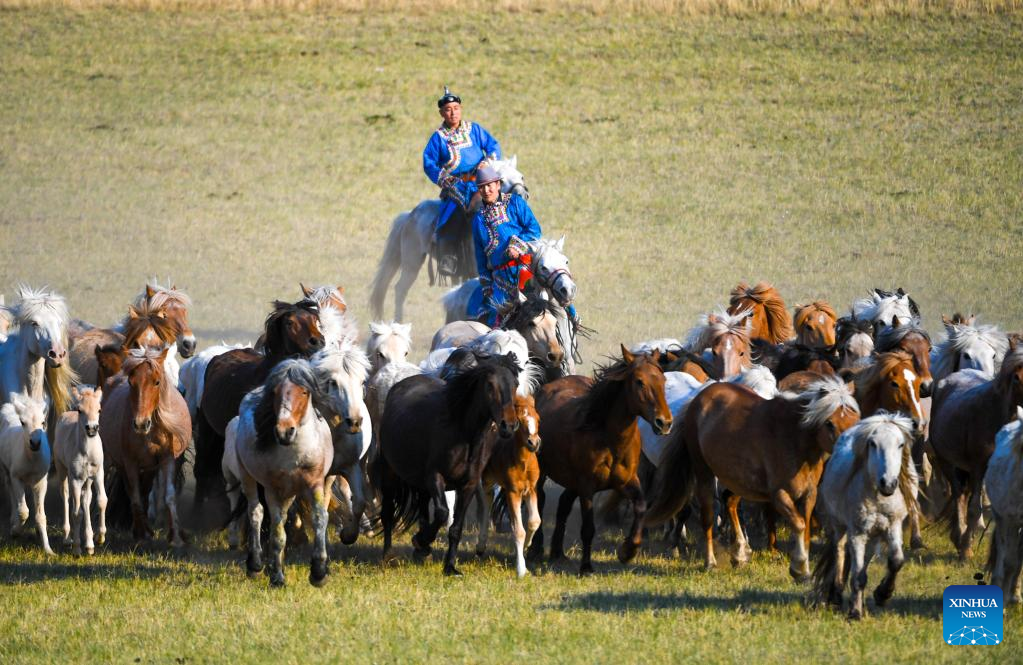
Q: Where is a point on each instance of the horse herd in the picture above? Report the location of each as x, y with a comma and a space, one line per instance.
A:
754, 407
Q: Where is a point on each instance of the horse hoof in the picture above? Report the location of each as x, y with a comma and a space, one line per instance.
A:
349, 539
586, 569
277, 581
90, 551
881, 597
916, 543
627, 551
253, 566
799, 576
102, 539
855, 615
421, 555
318, 573
451, 571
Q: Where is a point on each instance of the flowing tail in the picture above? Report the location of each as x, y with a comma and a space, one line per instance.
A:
824, 571
389, 264
674, 481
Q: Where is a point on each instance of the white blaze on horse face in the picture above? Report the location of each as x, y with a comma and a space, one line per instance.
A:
820, 319
530, 423
910, 379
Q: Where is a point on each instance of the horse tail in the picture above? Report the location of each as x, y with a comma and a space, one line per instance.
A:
405, 505
992, 554
824, 570
499, 509
389, 264
674, 481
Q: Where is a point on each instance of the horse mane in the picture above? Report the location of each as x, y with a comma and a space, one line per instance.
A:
804, 312
337, 325
162, 297
274, 339
322, 295
1010, 365
960, 337
889, 338
759, 379
880, 302
347, 359
847, 326
500, 342
762, 294
868, 379
861, 433
523, 312
141, 318
600, 399
381, 330
461, 387
823, 398
712, 326
37, 305
264, 417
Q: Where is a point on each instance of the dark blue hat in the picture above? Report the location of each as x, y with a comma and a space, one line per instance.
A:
448, 98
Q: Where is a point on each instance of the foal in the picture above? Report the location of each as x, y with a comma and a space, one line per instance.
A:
25, 460
78, 454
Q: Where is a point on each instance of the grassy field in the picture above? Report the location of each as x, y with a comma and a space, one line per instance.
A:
239, 153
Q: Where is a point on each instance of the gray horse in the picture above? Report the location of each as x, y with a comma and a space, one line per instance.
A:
410, 240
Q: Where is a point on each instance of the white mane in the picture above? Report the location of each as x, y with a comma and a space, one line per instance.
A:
759, 379
825, 396
338, 328
712, 326
885, 309
501, 342
324, 294
39, 306
380, 332
346, 359
966, 338
162, 296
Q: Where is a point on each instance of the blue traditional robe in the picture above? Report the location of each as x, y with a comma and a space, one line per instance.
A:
508, 222
450, 158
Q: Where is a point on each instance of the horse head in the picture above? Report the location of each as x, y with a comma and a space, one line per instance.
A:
529, 423
32, 415
644, 389
174, 304
148, 327
815, 324
325, 296
293, 329
88, 401
855, 340
144, 370
882, 444
727, 337
550, 269
388, 343
536, 321
341, 374
1010, 376
892, 384
511, 177
42, 319
484, 390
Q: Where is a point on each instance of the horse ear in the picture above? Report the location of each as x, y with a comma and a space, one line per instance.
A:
174, 287
163, 354
405, 329
560, 244
670, 356
514, 161
76, 393
306, 291
945, 321
656, 355
150, 292
713, 318
99, 393
971, 319
134, 313
340, 289
626, 356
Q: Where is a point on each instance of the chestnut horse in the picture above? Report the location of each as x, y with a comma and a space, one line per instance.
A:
915, 341
968, 410
290, 330
727, 338
432, 440
591, 442
770, 320
769, 451
145, 428
815, 324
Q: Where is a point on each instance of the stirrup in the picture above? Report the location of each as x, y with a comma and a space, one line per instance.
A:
447, 266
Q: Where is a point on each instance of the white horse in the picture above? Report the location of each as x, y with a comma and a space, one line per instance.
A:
33, 360
411, 238
1004, 483
497, 343
341, 373
388, 343
78, 458
192, 376
886, 308
969, 346
868, 488
25, 460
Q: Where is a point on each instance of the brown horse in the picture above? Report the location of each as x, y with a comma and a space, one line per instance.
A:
769, 451
967, 411
324, 296
891, 384
591, 442
145, 428
289, 330
815, 324
516, 470
175, 304
144, 327
433, 439
727, 337
915, 341
770, 318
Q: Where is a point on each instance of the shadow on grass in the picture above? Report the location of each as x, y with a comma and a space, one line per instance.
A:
31, 573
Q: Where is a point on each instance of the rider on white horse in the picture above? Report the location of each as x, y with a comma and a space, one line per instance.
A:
450, 160
503, 226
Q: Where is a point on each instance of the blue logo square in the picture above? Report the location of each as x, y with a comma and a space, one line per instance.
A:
972, 615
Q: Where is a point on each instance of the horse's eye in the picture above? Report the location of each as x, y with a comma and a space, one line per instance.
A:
639, 382
158, 382
380, 355
333, 383
742, 353
895, 384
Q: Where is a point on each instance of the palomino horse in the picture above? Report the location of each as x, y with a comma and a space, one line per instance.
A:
854, 340
78, 458
769, 451
514, 468
727, 338
25, 461
33, 360
411, 238
290, 329
278, 441
432, 439
886, 308
591, 443
145, 428
1004, 484
770, 320
815, 324
969, 346
968, 409
868, 490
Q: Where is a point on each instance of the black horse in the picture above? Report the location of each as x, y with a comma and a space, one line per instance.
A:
432, 440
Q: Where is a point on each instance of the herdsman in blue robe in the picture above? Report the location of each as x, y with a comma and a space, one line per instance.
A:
450, 160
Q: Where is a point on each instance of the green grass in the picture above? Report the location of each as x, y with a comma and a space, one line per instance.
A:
241, 153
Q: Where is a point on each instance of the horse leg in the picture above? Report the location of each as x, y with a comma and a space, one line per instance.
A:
841, 569
410, 267
86, 515
973, 513
101, 502
705, 495
139, 525
441, 514
484, 505
455, 531
741, 549
170, 499
278, 536
1013, 561
959, 499
62, 481
39, 511
587, 532
860, 558
357, 498
19, 506
809, 502
534, 519
558, 537
254, 560
633, 491
896, 558
772, 529
799, 567
73, 533
318, 564
535, 551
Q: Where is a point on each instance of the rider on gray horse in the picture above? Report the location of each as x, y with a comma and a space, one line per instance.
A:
450, 160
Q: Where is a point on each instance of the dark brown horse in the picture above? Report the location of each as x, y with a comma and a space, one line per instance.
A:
769, 451
432, 439
290, 330
591, 442
967, 411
